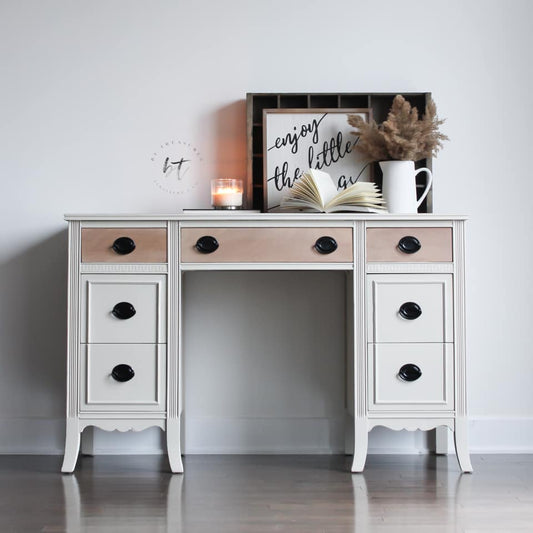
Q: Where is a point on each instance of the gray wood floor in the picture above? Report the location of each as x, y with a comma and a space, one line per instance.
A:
267, 493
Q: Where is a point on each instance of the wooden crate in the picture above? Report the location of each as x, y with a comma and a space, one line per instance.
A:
379, 103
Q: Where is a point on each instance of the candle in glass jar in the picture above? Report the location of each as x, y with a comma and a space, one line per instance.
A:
226, 193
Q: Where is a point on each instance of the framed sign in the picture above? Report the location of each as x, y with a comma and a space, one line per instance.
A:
295, 140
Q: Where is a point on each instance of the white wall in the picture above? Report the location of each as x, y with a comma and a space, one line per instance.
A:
91, 89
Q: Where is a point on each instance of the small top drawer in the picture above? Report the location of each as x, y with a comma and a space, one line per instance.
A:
124, 245
409, 245
266, 245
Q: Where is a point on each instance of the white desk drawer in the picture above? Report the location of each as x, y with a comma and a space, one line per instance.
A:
267, 245
410, 308
123, 377
123, 308
410, 377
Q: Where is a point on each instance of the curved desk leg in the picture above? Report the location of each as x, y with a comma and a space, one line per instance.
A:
461, 444
174, 445
360, 445
72, 446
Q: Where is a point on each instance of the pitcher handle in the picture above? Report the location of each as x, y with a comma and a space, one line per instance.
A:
428, 184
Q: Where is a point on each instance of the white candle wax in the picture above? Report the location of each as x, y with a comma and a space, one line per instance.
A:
227, 197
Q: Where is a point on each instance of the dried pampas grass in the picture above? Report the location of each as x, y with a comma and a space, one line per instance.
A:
403, 136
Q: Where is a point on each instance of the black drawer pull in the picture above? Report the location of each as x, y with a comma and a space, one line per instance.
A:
206, 244
122, 373
123, 245
409, 245
409, 372
410, 310
123, 310
325, 245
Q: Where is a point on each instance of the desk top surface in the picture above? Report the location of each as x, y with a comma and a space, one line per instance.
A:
255, 216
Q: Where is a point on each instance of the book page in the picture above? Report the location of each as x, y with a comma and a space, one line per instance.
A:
325, 187
360, 194
316, 191
355, 209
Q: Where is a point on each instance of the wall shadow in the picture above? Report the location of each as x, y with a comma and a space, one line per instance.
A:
33, 332
230, 141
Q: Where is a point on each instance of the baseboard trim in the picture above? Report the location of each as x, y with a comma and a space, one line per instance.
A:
500, 435
32, 436
259, 435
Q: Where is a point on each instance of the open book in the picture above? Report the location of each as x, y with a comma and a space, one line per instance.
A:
315, 191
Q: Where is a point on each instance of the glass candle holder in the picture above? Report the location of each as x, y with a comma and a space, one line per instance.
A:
226, 193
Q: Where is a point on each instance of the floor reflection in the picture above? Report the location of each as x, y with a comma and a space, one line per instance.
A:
133, 501
410, 492
294, 494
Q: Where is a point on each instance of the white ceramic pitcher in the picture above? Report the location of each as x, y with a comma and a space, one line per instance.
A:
399, 186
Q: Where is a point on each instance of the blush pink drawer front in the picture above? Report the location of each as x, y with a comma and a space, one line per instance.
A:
386, 244
149, 245
267, 245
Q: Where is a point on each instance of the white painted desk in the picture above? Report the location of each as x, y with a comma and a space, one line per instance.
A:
405, 327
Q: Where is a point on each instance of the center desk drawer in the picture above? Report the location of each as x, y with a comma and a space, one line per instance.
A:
266, 245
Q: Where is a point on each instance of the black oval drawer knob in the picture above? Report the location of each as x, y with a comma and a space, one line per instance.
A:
409, 372
325, 245
409, 245
410, 310
206, 244
123, 245
123, 310
122, 373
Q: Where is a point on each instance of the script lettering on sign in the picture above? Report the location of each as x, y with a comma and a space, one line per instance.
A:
298, 139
